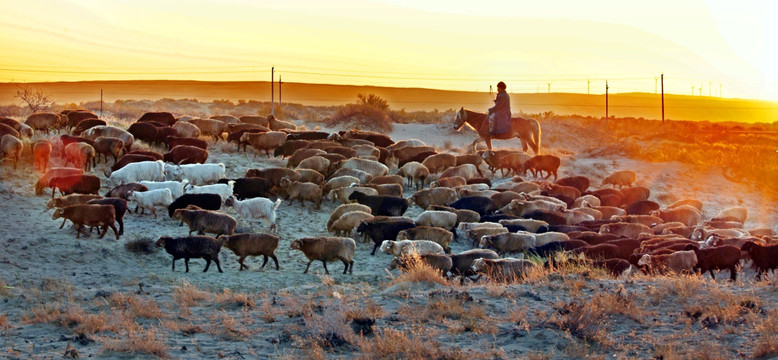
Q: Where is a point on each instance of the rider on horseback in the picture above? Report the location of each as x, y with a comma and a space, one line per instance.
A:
500, 113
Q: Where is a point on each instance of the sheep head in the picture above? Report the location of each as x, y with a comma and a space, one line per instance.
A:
296, 245
486, 241
478, 265
58, 214
162, 240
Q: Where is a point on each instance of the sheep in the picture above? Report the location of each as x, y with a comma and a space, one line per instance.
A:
463, 215
72, 199
185, 154
202, 201
407, 247
691, 202
190, 247
289, 147
441, 236
434, 196
126, 160
415, 172
438, 262
244, 245
151, 198
553, 218
81, 184
579, 182
7, 130
11, 149
342, 209
256, 208
435, 218
186, 129
466, 171
465, 192
173, 141
387, 189
620, 178
535, 226
306, 135
209, 127
481, 205
508, 242
327, 248
641, 207
688, 215
223, 190
110, 131
266, 142
577, 216
630, 230
598, 252
276, 124
365, 150
738, 213
658, 229
252, 119
247, 188
450, 182
143, 131
609, 212
521, 207
161, 117
198, 174
42, 121
302, 191
44, 181
134, 172
717, 258
677, 262
204, 221
106, 145
87, 124
702, 233
513, 161
363, 177
347, 222
10, 122
318, 163
765, 257
338, 183
374, 168
503, 269
41, 152
119, 206
343, 194
475, 234
80, 154
176, 187
381, 205
539, 163
89, 215
648, 220
311, 176
439, 162
379, 229
376, 138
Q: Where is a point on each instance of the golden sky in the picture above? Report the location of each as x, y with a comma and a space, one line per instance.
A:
564, 45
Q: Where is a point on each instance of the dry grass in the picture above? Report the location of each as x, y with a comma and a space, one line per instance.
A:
413, 343
582, 320
230, 299
189, 295
766, 342
419, 271
140, 246
72, 317
136, 340
137, 306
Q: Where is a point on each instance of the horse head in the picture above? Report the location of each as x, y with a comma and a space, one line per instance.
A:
460, 119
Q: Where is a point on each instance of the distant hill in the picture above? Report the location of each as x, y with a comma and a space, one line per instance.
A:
677, 107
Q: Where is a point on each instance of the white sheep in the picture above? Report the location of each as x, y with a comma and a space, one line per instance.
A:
371, 167
345, 224
442, 219
737, 212
198, 174
151, 198
415, 172
547, 237
223, 190
407, 247
176, 187
139, 171
256, 208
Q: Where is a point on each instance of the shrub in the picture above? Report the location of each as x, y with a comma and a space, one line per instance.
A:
371, 112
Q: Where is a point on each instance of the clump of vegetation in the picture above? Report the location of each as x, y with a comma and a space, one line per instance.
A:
140, 246
370, 112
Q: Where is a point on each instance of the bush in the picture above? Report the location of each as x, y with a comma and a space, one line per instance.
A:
371, 112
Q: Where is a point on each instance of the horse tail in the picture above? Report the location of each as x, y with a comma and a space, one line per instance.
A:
536, 135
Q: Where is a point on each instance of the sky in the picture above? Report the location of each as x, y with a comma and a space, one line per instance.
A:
708, 47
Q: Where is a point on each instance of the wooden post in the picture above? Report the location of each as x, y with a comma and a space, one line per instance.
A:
663, 99
272, 94
606, 101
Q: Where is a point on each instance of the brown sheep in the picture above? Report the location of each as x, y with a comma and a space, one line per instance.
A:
438, 262
41, 152
539, 163
387, 179
81, 184
87, 124
206, 221
300, 155
227, 119
274, 175
80, 154
450, 182
72, 199
173, 141
439, 162
43, 121
105, 145
119, 206
209, 127
161, 117
7, 130
436, 196
342, 209
44, 181
466, 171
231, 128
11, 149
620, 178
340, 150
112, 131
244, 245
186, 129
415, 172
311, 176
275, 124
362, 176
10, 122
327, 248
184, 154
266, 142
318, 163
255, 119
346, 223
387, 189
302, 191
89, 215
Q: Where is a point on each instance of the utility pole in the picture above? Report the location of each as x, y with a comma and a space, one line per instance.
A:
490, 89
272, 94
606, 101
587, 86
663, 99
101, 102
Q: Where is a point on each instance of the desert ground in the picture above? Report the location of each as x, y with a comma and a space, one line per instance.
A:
94, 298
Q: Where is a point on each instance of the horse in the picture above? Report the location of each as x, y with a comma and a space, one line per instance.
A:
526, 129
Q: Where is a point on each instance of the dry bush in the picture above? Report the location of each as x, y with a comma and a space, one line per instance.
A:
142, 246
188, 295
766, 326
229, 328
72, 317
414, 343
137, 340
582, 320
136, 306
419, 271
620, 303
370, 112
330, 328
228, 298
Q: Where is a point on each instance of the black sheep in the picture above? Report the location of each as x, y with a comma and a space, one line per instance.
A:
579, 182
480, 204
143, 131
641, 207
551, 217
247, 188
119, 205
461, 264
189, 247
380, 230
633, 194
381, 204
717, 258
203, 201
765, 257
307, 135
556, 246
161, 116
566, 228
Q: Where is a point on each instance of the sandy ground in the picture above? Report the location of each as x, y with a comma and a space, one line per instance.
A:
44, 266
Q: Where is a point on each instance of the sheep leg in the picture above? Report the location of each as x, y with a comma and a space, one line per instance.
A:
346, 263
240, 261
174, 264
63, 223
711, 274
78, 230
154, 211
105, 230
306, 267
218, 266
275, 259
374, 248
264, 262
114, 231
121, 226
186, 263
733, 274
324, 262
207, 264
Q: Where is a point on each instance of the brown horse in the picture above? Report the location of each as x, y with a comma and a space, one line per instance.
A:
527, 130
